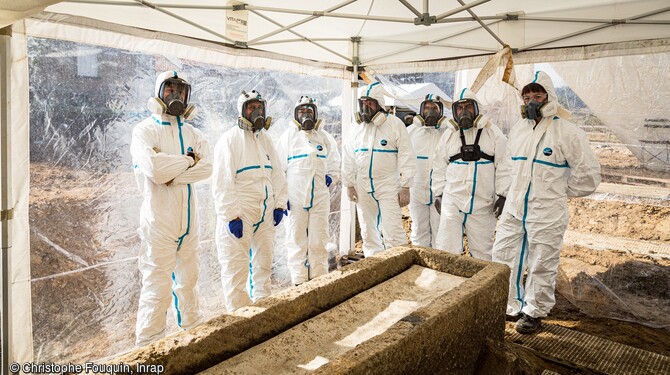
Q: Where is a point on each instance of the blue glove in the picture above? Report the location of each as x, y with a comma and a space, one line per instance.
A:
278, 215
329, 180
235, 227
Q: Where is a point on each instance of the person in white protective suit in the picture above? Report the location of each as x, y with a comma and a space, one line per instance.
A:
424, 133
378, 169
466, 179
548, 159
311, 161
250, 199
169, 156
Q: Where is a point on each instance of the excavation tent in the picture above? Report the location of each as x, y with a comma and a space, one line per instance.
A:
613, 54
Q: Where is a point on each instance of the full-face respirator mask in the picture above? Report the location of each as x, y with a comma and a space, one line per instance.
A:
306, 114
370, 111
465, 113
256, 119
173, 99
431, 112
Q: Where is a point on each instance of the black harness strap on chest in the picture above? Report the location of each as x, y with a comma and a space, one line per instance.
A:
475, 146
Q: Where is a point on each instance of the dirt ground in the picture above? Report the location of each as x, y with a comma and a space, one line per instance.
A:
62, 242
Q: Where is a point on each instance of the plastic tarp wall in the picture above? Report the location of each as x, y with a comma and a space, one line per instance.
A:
84, 205
630, 95
621, 292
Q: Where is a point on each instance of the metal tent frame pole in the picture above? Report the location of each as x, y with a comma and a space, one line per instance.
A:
298, 23
6, 208
174, 15
594, 28
348, 226
406, 49
301, 36
496, 37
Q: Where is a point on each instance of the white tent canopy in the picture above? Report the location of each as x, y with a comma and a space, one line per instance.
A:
386, 31
323, 38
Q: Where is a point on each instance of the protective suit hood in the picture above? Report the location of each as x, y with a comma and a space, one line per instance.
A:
552, 107
375, 92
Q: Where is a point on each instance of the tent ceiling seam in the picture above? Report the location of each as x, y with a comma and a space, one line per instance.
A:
592, 29
372, 2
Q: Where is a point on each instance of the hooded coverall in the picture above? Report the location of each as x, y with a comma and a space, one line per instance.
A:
547, 163
306, 158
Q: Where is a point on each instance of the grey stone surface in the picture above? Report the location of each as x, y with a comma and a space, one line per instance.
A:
446, 336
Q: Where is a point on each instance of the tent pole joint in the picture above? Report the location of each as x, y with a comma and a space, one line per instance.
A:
619, 21
241, 44
425, 19
511, 17
239, 7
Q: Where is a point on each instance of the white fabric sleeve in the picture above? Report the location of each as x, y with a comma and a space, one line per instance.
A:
334, 159
502, 181
282, 150
279, 185
223, 181
584, 166
159, 167
348, 164
406, 156
203, 168
440, 162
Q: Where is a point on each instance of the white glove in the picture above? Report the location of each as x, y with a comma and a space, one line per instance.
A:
403, 197
351, 193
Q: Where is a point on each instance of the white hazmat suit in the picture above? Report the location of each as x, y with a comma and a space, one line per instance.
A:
307, 156
425, 218
247, 184
168, 258
378, 161
547, 162
468, 188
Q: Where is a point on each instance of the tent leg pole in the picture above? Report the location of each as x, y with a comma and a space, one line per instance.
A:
352, 205
5, 180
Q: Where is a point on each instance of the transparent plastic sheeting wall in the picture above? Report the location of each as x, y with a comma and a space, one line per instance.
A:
628, 94
621, 102
84, 203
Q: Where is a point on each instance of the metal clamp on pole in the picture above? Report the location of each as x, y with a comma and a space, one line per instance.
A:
6, 215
